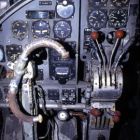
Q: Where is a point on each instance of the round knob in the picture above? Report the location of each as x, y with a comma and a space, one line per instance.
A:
116, 117
119, 34
63, 115
65, 2
94, 35
95, 112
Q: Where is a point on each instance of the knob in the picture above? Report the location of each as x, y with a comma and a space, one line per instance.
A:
65, 2
63, 115
116, 116
95, 112
94, 35
101, 137
119, 34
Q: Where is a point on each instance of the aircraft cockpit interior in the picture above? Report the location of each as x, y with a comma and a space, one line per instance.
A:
69, 70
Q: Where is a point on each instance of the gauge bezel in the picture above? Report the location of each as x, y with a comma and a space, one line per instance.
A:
58, 21
121, 4
21, 23
104, 11
33, 28
60, 16
110, 24
104, 4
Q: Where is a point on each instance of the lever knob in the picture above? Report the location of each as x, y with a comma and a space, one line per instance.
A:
95, 112
116, 116
119, 34
94, 35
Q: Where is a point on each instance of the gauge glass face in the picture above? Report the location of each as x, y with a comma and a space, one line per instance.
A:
120, 3
118, 18
62, 29
65, 11
40, 28
97, 19
100, 2
19, 29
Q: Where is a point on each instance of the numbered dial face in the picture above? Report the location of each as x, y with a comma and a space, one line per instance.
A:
19, 29
65, 11
97, 19
62, 29
120, 3
118, 18
100, 2
40, 28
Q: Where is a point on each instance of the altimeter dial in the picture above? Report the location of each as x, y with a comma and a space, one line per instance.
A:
118, 18
62, 29
97, 19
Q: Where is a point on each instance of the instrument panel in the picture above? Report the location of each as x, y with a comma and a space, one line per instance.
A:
55, 19
96, 33
70, 22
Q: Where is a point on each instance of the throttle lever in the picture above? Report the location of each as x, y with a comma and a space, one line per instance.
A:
95, 36
119, 34
125, 48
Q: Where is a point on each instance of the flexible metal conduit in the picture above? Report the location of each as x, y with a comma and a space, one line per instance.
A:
19, 72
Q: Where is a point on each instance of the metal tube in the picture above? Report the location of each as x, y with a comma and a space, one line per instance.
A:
19, 72
61, 106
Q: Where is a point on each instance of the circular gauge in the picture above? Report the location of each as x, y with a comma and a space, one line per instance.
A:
118, 18
19, 29
97, 19
40, 28
120, 3
65, 11
100, 2
62, 29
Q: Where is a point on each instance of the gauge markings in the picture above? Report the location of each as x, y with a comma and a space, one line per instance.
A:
118, 18
97, 19
40, 28
120, 3
19, 29
62, 29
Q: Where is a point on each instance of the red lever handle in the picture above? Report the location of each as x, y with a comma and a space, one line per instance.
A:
119, 34
94, 35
